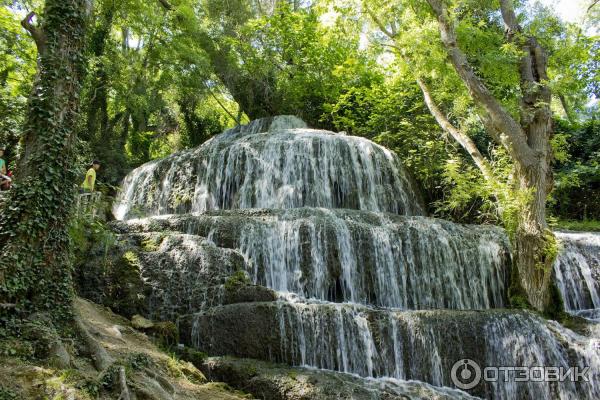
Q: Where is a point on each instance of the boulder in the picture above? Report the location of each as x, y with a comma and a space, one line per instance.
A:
141, 323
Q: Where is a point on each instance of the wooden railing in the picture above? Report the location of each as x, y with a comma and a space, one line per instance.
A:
87, 203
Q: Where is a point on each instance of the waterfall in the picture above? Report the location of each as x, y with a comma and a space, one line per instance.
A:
288, 166
359, 257
353, 277
544, 344
413, 345
577, 270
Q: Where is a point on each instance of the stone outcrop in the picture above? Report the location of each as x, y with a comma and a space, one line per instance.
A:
279, 382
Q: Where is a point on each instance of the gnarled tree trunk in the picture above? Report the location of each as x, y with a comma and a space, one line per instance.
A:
528, 144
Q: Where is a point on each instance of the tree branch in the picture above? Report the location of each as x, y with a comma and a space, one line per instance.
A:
591, 6
166, 5
510, 18
465, 141
392, 35
38, 34
499, 117
237, 120
566, 108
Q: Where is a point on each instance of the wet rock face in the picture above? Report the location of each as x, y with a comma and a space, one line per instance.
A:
248, 294
111, 276
159, 275
278, 382
357, 256
275, 163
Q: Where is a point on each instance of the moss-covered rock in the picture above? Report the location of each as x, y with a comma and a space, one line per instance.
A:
160, 275
248, 294
280, 382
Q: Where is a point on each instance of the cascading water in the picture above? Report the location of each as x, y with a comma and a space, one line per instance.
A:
360, 257
577, 272
332, 223
279, 168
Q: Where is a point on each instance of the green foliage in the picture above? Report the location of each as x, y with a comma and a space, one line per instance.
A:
189, 354
573, 225
480, 33
17, 69
16, 347
239, 278
8, 394
166, 333
152, 243
284, 60
577, 170
86, 232
138, 361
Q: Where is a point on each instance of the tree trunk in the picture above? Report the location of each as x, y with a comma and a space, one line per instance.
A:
97, 120
535, 245
533, 241
35, 262
527, 141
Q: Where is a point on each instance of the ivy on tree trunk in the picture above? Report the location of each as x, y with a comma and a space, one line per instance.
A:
35, 260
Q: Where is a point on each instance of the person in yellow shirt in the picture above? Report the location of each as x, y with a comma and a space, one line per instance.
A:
90, 178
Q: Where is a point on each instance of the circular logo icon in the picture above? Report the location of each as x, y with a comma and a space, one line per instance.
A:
465, 374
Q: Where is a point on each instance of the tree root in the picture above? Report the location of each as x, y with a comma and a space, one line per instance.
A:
40, 330
150, 388
164, 383
123, 384
58, 355
101, 359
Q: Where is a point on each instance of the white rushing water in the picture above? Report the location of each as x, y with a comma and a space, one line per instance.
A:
285, 167
335, 225
417, 345
577, 270
359, 257
412, 263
